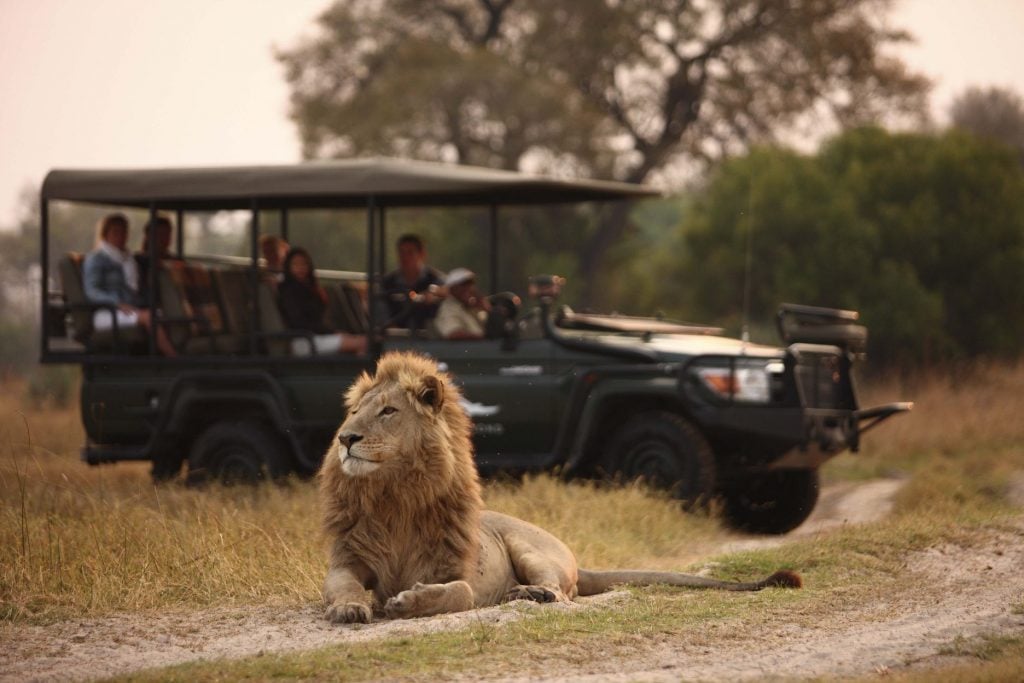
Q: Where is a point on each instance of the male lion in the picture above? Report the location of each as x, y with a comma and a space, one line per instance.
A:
402, 509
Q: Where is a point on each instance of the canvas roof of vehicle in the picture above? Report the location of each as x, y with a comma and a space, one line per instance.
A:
315, 184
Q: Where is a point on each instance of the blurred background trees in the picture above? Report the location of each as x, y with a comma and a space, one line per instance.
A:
994, 113
623, 90
921, 231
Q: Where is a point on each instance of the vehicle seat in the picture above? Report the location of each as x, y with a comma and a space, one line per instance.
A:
357, 305
277, 337
343, 315
233, 286
189, 302
81, 309
70, 268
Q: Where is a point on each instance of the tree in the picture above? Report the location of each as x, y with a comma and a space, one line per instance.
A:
621, 89
995, 113
924, 234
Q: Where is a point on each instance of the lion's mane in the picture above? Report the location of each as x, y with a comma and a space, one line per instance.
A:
429, 515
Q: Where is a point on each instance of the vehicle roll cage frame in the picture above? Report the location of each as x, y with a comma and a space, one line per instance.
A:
376, 260
466, 186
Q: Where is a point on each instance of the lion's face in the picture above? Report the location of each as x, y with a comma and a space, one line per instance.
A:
384, 430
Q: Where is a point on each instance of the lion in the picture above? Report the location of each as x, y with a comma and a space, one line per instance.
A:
404, 517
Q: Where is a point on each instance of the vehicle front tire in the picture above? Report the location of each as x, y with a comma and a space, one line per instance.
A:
238, 452
772, 502
665, 451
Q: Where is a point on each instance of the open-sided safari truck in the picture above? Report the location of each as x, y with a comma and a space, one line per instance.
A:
678, 405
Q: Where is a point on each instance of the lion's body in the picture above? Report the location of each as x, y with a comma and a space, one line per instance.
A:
403, 512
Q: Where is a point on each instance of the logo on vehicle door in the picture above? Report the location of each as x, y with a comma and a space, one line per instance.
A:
521, 371
478, 409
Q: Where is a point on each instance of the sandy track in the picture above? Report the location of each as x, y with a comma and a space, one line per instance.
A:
963, 593
961, 599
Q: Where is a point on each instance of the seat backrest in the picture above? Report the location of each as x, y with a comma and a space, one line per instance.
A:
233, 287
339, 309
358, 308
70, 269
202, 296
173, 303
272, 321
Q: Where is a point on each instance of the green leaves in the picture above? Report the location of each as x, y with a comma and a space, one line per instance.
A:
922, 233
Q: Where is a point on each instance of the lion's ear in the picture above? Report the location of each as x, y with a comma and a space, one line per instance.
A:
431, 392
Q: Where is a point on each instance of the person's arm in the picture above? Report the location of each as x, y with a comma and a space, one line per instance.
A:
92, 282
450, 324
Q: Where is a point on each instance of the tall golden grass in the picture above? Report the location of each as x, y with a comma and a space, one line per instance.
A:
963, 440
76, 540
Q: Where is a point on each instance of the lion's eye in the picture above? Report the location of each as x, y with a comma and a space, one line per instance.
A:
388, 410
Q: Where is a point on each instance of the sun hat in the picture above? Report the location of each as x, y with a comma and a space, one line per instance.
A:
457, 276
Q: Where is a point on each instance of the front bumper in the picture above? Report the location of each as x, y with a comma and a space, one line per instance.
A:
801, 437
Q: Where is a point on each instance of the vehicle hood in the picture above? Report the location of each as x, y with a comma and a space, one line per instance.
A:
677, 347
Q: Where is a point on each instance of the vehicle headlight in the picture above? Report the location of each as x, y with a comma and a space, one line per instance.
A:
748, 380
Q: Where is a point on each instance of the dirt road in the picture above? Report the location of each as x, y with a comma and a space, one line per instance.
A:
969, 593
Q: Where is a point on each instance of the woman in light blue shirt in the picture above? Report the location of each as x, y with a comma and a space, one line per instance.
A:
110, 275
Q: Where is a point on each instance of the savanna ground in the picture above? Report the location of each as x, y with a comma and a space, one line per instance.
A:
913, 567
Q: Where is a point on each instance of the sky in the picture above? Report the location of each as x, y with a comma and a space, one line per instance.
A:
115, 83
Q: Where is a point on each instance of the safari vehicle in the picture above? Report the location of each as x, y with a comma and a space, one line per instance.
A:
678, 405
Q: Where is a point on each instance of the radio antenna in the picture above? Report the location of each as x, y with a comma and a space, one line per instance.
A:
748, 265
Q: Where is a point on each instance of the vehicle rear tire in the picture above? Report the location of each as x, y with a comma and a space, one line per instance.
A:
238, 452
772, 502
166, 466
665, 451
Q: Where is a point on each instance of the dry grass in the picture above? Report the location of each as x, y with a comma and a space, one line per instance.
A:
81, 540
952, 412
963, 441
87, 541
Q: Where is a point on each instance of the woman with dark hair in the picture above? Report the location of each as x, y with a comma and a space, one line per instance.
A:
303, 304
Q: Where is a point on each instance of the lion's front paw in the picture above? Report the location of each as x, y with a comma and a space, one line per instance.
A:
348, 613
536, 594
400, 606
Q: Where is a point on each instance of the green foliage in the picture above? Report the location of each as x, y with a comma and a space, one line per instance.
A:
924, 234
602, 89
994, 113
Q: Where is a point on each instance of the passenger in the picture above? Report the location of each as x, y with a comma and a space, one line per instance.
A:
274, 250
413, 276
303, 304
464, 313
162, 231
111, 276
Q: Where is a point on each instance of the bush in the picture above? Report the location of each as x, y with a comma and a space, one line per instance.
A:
924, 234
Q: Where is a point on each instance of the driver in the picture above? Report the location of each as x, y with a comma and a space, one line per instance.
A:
413, 277
463, 314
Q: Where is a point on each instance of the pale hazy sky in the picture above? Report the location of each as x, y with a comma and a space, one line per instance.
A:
103, 83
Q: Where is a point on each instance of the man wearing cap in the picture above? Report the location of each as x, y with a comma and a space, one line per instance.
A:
463, 313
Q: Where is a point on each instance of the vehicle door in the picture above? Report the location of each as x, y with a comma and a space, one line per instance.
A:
510, 393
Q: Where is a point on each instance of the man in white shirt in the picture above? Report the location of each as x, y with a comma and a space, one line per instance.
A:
462, 315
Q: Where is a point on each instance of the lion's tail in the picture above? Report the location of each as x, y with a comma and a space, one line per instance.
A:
592, 583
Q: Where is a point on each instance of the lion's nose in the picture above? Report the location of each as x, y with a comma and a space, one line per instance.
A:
347, 439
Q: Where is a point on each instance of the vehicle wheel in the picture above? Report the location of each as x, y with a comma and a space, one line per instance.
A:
773, 502
166, 466
243, 452
665, 451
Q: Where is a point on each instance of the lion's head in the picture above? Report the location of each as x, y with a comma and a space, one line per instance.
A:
405, 428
